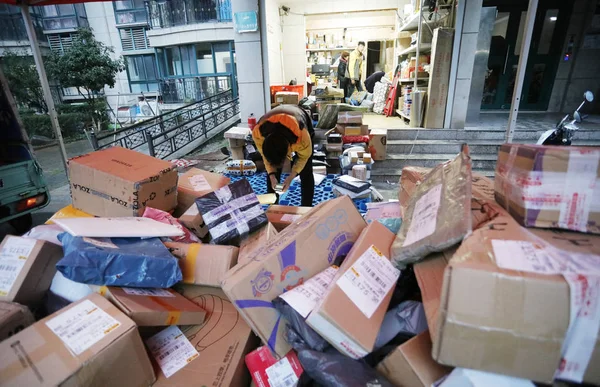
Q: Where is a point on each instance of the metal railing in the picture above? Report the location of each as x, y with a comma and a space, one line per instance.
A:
184, 12
189, 89
162, 135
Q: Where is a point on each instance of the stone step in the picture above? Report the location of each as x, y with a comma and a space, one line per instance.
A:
480, 161
398, 147
392, 175
482, 135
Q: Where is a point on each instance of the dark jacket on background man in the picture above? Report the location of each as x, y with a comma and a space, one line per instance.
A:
372, 80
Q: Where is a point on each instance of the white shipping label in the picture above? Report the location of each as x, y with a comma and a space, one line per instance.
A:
171, 350
82, 326
303, 298
148, 292
581, 336
281, 374
199, 183
250, 148
107, 244
290, 217
424, 217
13, 255
369, 280
524, 256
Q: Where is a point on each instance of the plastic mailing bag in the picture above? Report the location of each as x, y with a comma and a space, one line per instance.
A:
165, 217
131, 262
231, 212
438, 214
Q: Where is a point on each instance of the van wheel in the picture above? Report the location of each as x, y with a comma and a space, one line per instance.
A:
22, 224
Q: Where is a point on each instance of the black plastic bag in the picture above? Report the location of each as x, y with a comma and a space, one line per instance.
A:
298, 325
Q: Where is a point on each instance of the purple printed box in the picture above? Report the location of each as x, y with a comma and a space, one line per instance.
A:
300, 251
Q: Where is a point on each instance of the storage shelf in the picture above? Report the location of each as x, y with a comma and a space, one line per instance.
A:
425, 47
407, 80
401, 114
412, 23
329, 49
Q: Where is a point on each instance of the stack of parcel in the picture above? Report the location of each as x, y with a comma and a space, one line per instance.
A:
152, 277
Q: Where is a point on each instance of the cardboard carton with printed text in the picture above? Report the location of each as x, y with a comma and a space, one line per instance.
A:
501, 299
195, 183
341, 316
27, 267
300, 251
203, 264
550, 186
88, 343
254, 241
13, 318
222, 341
283, 216
120, 182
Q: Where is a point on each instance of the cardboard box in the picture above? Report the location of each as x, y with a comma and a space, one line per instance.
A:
411, 365
337, 318
88, 343
287, 97
155, 307
263, 366
283, 216
437, 91
378, 144
409, 179
352, 129
550, 186
192, 219
351, 117
512, 322
13, 319
203, 264
254, 241
195, 183
222, 341
287, 260
121, 182
27, 267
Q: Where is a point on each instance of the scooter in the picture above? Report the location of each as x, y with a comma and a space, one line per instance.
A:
563, 133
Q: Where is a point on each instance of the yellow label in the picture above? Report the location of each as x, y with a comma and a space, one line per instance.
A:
376, 250
188, 265
102, 290
173, 318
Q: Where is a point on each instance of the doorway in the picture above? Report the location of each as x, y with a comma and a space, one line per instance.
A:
373, 57
552, 19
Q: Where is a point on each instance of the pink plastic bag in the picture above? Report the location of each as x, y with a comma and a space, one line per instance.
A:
165, 217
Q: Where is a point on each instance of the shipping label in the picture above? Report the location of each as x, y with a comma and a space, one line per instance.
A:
303, 298
13, 255
171, 350
524, 256
281, 374
369, 280
290, 218
148, 292
424, 218
82, 326
199, 183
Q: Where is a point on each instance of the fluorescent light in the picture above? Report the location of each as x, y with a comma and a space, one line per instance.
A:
553, 18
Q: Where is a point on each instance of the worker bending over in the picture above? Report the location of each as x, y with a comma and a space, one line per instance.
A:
284, 131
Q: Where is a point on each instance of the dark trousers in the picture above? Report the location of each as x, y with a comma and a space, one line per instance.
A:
356, 87
307, 180
344, 83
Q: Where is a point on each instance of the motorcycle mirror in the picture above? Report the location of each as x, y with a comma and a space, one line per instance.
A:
577, 116
589, 96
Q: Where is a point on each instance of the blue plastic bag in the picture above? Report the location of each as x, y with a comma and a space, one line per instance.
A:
132, 262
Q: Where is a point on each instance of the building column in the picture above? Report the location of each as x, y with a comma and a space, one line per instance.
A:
251, 74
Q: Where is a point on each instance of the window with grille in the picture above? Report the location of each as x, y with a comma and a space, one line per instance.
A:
60, 42
134, 39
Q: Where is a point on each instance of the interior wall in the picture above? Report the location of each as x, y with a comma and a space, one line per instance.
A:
361, 26
575, 76
274, 43
294, 49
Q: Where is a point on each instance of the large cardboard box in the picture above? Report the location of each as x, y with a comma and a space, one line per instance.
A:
27, 267
192, 219
223, 340
121, 182
283, 216
411, 365
437, 91
155, 307
512, 322
378, 144
352, 129
409, 179
302, 250
13, 318
195, 183
287, 97
337, 317
88, 343
203, 264
550, 186
254, 241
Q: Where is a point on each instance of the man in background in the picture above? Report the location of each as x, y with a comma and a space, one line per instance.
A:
372, 80
355, 68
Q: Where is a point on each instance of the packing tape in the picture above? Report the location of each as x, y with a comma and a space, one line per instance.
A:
173, 314
238, 222
189, 263
102, 290
229, 207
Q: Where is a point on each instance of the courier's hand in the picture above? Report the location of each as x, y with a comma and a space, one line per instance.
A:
288, 181
353, 81
274, 181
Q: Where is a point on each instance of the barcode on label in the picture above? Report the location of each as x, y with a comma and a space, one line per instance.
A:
8, 268
170, 351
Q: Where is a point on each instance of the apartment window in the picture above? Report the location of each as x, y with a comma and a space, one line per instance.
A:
222, 57
142, 72
204, 58
130, 11
199, 59
134, 38
64, 16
